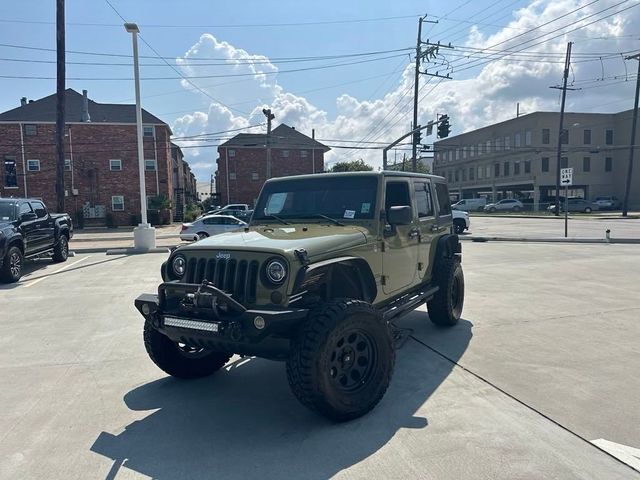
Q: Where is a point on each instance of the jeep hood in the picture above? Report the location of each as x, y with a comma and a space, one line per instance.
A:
314, 238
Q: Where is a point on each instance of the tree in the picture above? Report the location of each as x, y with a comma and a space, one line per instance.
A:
352, 166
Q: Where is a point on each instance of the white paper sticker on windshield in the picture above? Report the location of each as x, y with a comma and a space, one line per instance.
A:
365, 208
349, 214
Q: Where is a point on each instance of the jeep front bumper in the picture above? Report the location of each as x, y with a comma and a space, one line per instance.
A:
205, 316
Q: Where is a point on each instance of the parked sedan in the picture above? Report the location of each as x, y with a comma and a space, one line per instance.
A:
505, 205
210, 225
576, 205
608, 203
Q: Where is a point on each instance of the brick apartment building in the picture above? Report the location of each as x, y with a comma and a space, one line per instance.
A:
242, 161
101, 169
184, 184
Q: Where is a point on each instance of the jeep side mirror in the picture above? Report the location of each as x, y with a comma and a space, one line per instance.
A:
28, 216
399, 215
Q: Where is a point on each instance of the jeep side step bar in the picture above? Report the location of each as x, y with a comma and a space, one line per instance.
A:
408, 302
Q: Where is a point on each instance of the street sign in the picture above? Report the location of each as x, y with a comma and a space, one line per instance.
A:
566, 176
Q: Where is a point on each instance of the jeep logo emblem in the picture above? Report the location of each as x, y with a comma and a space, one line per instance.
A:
223, 256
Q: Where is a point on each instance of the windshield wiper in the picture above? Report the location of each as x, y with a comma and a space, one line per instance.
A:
340, 224
284, 222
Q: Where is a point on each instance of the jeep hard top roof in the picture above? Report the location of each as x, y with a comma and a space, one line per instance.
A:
384, 173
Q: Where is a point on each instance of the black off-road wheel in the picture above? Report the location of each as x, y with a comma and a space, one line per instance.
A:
12, 266
61, 250
341, 362
179, 360
445, 308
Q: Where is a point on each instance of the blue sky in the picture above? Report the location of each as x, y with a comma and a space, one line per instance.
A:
368, 102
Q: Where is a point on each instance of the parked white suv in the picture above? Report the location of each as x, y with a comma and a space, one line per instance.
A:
461, 221
505, 205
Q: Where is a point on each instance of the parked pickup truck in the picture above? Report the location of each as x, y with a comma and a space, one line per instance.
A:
27, 230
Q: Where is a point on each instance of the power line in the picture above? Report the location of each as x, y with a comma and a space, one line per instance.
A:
198, 77
237, 25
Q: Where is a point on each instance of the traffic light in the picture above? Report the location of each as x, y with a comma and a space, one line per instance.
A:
444, 128
417, 136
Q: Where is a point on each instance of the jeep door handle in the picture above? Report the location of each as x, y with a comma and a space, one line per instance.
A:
414, 232
434, 228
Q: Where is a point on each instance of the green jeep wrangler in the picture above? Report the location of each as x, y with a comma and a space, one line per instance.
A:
326, 263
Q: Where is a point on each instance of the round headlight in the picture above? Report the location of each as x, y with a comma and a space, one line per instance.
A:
276, 271
179, 265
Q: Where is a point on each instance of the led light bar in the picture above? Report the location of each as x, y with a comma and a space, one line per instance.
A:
191, 324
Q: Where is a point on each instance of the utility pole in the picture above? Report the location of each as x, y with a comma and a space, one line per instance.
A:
416, 87
567, 64
270, 116
60, 103
634, 123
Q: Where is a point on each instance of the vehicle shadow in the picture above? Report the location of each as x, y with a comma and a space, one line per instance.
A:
244, 423
31, 270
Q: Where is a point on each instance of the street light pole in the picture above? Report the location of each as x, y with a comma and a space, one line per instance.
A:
144, 235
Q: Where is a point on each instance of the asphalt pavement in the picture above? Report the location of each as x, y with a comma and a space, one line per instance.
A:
543, 364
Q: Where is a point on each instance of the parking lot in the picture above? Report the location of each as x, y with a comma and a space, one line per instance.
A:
543, 364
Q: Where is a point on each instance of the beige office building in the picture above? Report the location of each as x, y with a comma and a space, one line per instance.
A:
517, 158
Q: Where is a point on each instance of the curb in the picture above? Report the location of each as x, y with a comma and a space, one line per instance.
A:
119, 250
561, 217
118, 239
633, 241
136, 251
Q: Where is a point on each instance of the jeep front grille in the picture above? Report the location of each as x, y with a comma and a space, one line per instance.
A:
237, 278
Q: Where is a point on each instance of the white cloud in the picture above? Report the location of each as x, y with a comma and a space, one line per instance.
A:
474, 98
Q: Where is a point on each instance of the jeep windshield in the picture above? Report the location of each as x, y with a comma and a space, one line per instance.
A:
339, 198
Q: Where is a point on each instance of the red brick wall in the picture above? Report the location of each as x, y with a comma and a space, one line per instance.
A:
92, 146
247, 161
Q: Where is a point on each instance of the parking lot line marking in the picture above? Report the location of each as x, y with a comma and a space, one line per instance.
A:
629, 455
44, 277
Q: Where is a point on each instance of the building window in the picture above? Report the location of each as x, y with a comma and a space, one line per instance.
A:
150, 165
30, 129
67, 164
231, 152
498, 144
10, 174
496, 170
480, 147
564, 137
303, 153
487, 171
148, 131
506, 169
457, 177
609, 137
507, 143
608, 164
472, 150
527, 166
117, 203
516, 168
546, 136
587, 137
564, 162
232, 176
464, 174
527, 137
586, 164
516, 140
33, 165
285, 153
480, 169
545, 164
116, 165
255, 176
488, 145
471, 173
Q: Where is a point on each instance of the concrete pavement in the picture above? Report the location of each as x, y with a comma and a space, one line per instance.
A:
542, 364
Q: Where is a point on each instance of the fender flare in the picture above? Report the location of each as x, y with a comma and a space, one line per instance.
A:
448, 246
320, 272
